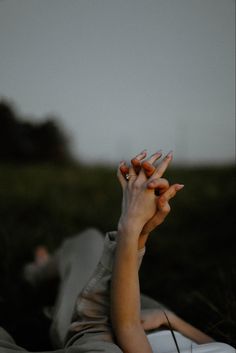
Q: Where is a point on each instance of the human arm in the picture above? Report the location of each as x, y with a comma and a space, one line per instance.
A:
155, 173
138, 207
156, 318
125, 293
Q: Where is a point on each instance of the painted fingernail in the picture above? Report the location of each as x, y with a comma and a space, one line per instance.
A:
157, 152
169, 154
179, 187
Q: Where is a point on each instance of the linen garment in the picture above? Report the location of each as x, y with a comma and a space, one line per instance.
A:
90, 329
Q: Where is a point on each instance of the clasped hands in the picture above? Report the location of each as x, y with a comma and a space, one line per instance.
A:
146, 194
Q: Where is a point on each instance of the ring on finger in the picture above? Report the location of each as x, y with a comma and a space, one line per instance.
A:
128, 176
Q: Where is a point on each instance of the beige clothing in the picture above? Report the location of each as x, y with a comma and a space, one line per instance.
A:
90, 330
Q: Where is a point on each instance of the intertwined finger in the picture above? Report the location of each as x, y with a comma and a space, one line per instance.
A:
163, 205
125, 174
124, 168
160, 170
148, 166
136, 161
144, 170
121, 172
170, 193
161, 185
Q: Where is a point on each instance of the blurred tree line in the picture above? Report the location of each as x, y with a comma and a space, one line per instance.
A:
190, 260
24, 141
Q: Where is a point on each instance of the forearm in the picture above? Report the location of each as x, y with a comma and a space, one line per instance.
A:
188, 330
125, 294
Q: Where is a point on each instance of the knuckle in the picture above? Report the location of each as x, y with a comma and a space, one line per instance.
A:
162, 199
166, 182
136, 185
147, 165
123, 169
166, 209
135, 161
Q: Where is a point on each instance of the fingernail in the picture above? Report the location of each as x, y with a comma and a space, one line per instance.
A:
122, 162
157, 152
144, 151
169, 154
179, 187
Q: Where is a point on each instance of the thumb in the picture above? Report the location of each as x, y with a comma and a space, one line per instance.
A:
159, 184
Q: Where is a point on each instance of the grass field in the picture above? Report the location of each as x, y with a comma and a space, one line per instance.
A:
190, 260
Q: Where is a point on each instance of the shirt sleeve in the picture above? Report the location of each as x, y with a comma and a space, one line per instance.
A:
92, 309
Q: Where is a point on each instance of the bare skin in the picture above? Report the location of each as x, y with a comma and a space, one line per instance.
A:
155, 318
141, 210
156, 182
41, 255
145, 206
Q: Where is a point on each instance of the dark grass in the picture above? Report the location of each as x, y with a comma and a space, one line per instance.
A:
189, 263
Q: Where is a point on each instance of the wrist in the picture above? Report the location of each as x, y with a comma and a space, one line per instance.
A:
129, 227
142, 240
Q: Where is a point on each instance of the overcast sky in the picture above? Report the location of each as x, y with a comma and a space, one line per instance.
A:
124, 75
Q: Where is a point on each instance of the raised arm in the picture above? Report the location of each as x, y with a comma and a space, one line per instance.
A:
140, 205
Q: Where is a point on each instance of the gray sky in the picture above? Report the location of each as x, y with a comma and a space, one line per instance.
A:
124, 75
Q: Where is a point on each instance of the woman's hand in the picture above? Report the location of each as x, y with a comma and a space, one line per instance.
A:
139, 206
139, 201
164, 192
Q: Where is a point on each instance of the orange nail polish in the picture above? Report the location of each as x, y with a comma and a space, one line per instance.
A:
179, 187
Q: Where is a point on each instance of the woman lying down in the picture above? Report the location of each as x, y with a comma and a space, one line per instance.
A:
109, 314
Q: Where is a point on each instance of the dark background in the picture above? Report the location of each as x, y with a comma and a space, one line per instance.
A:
46, 196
